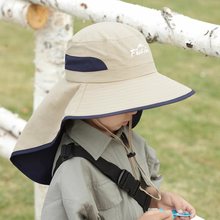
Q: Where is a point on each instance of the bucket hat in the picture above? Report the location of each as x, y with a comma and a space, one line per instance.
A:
109, 69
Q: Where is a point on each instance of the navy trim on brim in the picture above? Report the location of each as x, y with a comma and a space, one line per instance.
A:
37, 163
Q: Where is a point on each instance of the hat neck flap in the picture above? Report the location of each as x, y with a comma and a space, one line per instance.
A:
37, 163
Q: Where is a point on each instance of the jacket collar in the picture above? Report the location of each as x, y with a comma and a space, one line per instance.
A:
90, 138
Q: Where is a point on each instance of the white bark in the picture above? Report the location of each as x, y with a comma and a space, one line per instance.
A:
49, 53
162, 26
49, 61
14, 11
7, 143
24, 13
11, 122
11, 127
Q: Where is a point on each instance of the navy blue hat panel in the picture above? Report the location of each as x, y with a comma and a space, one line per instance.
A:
84, 64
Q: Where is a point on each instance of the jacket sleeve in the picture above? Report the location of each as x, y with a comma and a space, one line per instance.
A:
69, 195
153, 165
53, 205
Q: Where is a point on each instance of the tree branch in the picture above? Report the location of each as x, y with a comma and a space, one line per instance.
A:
23, 13
163, 26
11, 127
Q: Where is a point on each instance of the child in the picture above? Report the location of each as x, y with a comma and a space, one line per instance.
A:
80, 139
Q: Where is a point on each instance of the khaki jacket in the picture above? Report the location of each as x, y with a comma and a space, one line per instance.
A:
79, 191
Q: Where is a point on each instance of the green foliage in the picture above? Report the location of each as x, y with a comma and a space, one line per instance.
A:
185, 135
17, 69
16, 194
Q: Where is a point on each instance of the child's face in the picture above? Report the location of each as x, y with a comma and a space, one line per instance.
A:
113, 123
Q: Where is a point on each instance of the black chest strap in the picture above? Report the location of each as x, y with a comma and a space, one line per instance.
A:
122, 178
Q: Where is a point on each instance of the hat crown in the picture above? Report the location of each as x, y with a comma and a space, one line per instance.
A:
105, 31
110, 47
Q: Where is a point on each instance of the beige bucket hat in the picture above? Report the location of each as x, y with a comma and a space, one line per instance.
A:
109, 70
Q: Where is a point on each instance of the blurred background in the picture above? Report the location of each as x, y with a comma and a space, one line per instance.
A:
185, 135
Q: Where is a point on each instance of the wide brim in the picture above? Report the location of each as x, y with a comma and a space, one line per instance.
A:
105, 99
36, 148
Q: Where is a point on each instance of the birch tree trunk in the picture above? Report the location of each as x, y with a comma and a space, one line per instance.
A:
23, 13
163, 26
49, 61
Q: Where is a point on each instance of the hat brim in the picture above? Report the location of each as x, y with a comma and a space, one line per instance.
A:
106, 99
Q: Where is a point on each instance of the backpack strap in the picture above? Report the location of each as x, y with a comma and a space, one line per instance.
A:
120, 177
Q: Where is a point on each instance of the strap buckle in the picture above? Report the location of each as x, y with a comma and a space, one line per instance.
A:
128, 183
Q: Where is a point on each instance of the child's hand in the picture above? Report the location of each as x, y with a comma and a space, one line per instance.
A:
156, 215
173, 201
